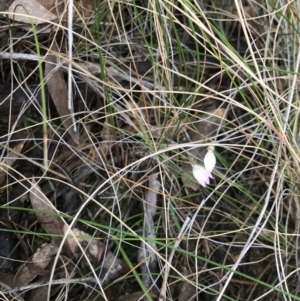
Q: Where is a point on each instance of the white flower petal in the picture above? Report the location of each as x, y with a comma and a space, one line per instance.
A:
209, 174
201, 175
210, 161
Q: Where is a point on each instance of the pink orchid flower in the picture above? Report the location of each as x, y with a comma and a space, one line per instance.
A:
203, 174
210, 160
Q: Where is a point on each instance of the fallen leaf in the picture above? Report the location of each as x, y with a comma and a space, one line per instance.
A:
46, 213
79, 240
64, 268
93, 249
10, 159
38, 263
30, 12
54, 6
58, 91
5, 4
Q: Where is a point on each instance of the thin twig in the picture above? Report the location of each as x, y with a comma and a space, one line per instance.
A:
146, 254
53, 282
162, 295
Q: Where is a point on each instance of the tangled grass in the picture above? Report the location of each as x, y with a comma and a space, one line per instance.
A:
155, 83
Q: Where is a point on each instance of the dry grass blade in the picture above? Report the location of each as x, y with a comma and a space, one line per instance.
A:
154, 84
136, 296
